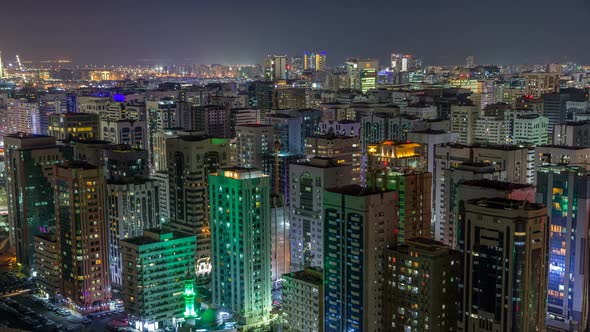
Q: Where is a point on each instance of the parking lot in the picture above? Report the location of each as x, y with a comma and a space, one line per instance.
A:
27, 312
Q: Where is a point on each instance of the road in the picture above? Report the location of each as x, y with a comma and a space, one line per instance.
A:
73, 321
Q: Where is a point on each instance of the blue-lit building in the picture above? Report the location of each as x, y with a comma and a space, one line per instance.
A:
359, 225
566, 192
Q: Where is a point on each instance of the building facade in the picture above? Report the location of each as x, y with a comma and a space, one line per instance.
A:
358, 226
241, 244
504, 251
155, 267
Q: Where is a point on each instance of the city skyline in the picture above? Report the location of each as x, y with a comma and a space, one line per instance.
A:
190, 32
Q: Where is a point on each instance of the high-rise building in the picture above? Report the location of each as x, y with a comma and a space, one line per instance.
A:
275, 68
303, 300
491, 129
429, 138
476, 185
555, 105
26, 114
530, 129
553, 154
420, 288
572, 134
362, 73
29, 173
565, 190
343, 149
308, 182
358, 226
191, 158
130, 132
288, 132
287, 97
538, 84
253, 142
470, 61
314, 61
404, 62
74, 126
413, 200
510, 163
155, 267
47, 265
160, 116
407, 155
82, 231
132, 207
503, 243
241, 244
464, 122
214, 121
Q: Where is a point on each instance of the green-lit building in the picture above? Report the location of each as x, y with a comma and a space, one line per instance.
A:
413, 200
29, 167
241, 244
155, 268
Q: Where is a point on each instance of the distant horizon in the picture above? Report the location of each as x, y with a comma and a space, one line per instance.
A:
234, 31
170, 62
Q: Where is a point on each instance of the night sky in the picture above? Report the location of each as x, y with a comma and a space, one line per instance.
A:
242, 31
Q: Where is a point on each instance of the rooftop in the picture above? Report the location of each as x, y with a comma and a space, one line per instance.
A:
565, 147
77, 165
430, 132
506, 204
255, 125
23, 135
309, 275
424, 244
321, 162
156, 235
494, 184
354, 190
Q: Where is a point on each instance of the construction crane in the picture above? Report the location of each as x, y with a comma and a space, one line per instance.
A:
20, 65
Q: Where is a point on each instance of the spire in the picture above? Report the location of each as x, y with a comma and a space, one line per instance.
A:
189, 295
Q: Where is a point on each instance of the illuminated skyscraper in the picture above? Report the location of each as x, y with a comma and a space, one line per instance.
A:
29, 187
308, 182
254, 141
358, 226
76, 126
314, 61
503, 243
275, 68
345, 150
241, 243
420, 289
132, 206
413, 200
362, 73
566, 192
191, 158
82, 232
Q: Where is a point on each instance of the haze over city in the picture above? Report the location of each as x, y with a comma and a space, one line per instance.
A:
235, 31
